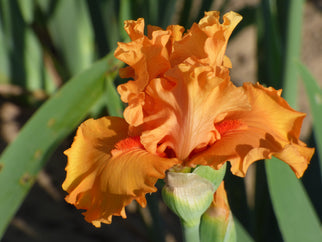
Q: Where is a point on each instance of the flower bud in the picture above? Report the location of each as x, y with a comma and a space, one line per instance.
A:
189, 195
217, 222
212, 175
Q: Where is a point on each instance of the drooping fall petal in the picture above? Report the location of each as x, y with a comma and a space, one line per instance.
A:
107, 170
270, 128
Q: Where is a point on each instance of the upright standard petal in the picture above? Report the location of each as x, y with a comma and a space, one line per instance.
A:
151, 56
146, 57
181, 109
207, 40
107, 170
270, 128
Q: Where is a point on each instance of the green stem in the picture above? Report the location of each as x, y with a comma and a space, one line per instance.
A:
191, 231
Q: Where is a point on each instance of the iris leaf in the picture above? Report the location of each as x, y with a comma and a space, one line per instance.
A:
27, 9
153, 12
293, 209
74, 39
242, 234
168, 9
124, 14
314, 93
57, 118
105, 25
292, 52
113, 102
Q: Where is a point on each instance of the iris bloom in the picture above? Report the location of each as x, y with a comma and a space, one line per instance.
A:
183, 110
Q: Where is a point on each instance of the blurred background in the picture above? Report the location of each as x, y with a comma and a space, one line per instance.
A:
45, 43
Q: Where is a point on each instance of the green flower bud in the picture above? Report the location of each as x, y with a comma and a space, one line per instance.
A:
217, 222
188, 195
212, 175
217, 229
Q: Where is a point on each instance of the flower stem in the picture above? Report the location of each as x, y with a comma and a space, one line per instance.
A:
191, 232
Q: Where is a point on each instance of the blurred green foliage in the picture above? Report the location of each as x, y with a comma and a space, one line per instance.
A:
50, 46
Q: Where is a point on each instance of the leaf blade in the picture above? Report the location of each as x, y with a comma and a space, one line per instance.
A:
43, 132
242, 234
314, 93
293, 209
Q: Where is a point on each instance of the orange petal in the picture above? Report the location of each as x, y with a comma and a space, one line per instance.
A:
135, 29
207, 40
219, 207
272, 128
151, 56
102, 183
180, 112
126, 72
151, 29
176, 31
297, 157
218, 35
147, 58
191, 45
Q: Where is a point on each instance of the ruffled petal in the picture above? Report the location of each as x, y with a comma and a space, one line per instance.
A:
135, 29
271, 128
147, 58
180, 111
191, 45
151, 56
207, 40
106, 171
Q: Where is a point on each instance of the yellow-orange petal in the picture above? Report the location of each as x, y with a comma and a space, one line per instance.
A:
135, 29
296, 156
207, 40
147, 58
176, 31
180, 111
272, 129
102, 183
152, 56
190, 45
218, 35
151, 29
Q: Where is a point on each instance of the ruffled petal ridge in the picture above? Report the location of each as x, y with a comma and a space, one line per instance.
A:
273, 129
181, 109
103, 182
150, 57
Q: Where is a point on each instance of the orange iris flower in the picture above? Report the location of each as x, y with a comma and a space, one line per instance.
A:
183, 110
